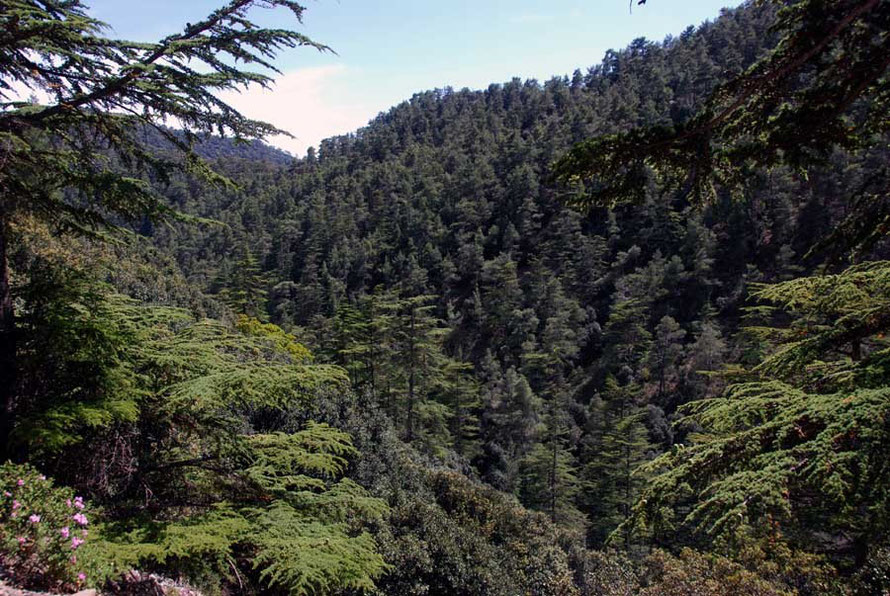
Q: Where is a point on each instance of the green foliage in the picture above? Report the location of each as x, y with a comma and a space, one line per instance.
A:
618, 444
790, 107
549, 482
104, 91
309, 557
768, 445
786, 459
298, 461
393, 346
510, 425
665, 353
244, 288
214, 451
80, 162
470, 539
697, 573
200, 546
292, 548
837, 342
467, 323
284, 342
155, 355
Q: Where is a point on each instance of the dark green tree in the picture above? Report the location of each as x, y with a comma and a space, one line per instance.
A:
617, 445
794, 451
244, 289
667, 348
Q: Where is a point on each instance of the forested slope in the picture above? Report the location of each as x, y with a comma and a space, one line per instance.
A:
423, 373
430, 254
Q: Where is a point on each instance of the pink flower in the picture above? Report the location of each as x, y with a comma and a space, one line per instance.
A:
68, 502
21, 539
15, 504
84, 533
78, 502
73, 559
34, 518
80, 518
7, 493
75, 542
81, 576
20, 482
64, 531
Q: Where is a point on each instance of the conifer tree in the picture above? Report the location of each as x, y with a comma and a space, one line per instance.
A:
245, 289
704, 357
510, 423
197, 425
100, 94
460, 392
549, 481
626, 336
665, 355
418, 338
793, 452
618, 444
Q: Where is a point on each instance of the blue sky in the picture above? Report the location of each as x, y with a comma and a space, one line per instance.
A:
386, 50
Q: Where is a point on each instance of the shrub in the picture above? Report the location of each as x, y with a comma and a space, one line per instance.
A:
42, 529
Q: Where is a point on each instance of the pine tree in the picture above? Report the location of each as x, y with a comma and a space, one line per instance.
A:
617, 446
704, 357
245, 287
510, 423
418, 339
795, 451
667, 348
549, 481
460, 391
626, 338
104, 93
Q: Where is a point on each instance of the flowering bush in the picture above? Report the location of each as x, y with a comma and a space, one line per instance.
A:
42, 528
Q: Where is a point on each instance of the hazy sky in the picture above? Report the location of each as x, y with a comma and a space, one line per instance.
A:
387, 50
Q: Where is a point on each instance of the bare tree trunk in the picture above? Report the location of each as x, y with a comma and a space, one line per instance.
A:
7, 348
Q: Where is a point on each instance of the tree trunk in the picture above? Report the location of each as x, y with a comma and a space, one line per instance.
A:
553, 482
7, 348
411, 380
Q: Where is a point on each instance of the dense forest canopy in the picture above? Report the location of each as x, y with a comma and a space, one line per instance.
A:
616, 333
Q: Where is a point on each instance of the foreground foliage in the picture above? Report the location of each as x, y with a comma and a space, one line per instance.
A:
798, 451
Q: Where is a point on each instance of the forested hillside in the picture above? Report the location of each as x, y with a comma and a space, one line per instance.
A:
546, 350
414, 362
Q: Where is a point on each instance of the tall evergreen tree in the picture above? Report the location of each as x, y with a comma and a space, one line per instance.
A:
245, 287
665, 355
618, 445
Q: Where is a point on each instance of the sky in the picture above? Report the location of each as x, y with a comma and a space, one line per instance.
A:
384, 51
